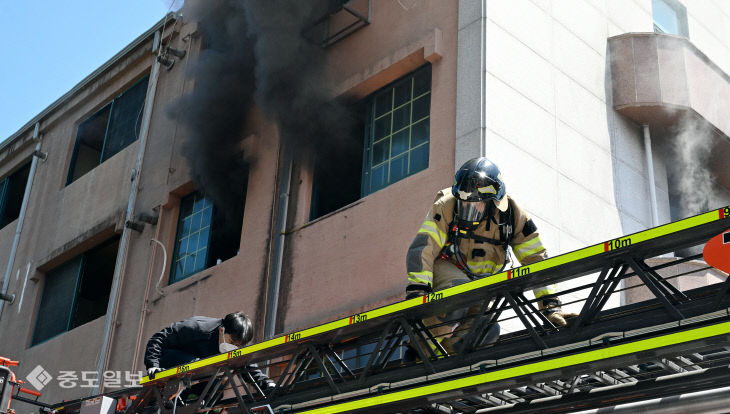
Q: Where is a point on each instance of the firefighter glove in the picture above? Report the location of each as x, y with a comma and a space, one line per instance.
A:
152, 371
553, 311
414, 291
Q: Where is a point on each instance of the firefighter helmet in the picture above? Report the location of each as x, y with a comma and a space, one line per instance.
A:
480, 180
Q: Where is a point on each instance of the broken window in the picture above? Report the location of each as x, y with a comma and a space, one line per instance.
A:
338, 171
205, 235
12, 190
76, 292
390, 142
108, 131
397, 130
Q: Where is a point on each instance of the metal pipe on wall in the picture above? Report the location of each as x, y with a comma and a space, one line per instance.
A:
119, 266
272, 297
650, 169
21, 217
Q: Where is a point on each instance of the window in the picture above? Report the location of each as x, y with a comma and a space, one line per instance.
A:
205, 236
12, 190
338, 169
670, 17
388, 140
76, 292
397, 131
108, 131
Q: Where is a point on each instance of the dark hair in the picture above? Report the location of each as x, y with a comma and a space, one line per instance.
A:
238, 326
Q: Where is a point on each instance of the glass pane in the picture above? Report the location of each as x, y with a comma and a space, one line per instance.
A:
178, 271
383, 103
204, 236
401, 117
198, 205
419, 159
195, 223
189, 264
186, 206
193, 243
126, 119
59, 289
378, 178
398, 168
381, 151
182, 249
422, 81
402, 93
200, 257
193, 236
419, 132
186, 226
421, 107
207, 216
665, 17
382, 127
400, 142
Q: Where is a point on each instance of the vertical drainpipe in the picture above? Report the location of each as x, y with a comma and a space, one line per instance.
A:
119, 267
272, 296
21, 217
650, 169
482, 81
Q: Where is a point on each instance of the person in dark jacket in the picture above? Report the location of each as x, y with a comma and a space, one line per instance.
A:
200, 337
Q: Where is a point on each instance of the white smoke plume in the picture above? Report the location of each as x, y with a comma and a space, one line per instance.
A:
694, 182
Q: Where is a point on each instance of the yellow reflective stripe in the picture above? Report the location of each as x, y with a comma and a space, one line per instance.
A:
527, 248
486, 266
545, 290
532, 368
526, 271
424, 277
429, 227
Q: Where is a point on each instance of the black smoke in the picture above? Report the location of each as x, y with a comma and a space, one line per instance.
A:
291, 83
255, 52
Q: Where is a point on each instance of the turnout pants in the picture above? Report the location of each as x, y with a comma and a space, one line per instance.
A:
446, 275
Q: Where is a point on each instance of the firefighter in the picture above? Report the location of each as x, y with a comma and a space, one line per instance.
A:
465, 236
200, 337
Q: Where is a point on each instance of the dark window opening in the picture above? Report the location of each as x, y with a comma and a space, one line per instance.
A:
390, 141
206, 234
338, 172
12, 190
76, 292
108, 131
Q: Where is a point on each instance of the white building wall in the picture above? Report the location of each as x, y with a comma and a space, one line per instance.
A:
546, 116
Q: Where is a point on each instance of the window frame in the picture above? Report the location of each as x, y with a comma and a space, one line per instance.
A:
110, 105
79, 276
680, 12
178, 231
5, 184
366, 186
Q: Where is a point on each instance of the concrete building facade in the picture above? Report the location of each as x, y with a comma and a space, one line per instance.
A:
542, 88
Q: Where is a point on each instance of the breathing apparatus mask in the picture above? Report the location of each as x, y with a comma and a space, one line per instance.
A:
468, 214
223, 346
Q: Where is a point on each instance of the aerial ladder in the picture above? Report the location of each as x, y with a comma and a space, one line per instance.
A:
676, 342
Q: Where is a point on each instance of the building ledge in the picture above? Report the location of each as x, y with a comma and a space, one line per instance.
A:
663, 80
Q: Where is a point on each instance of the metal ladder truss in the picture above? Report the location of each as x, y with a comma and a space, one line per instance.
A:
387, 359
